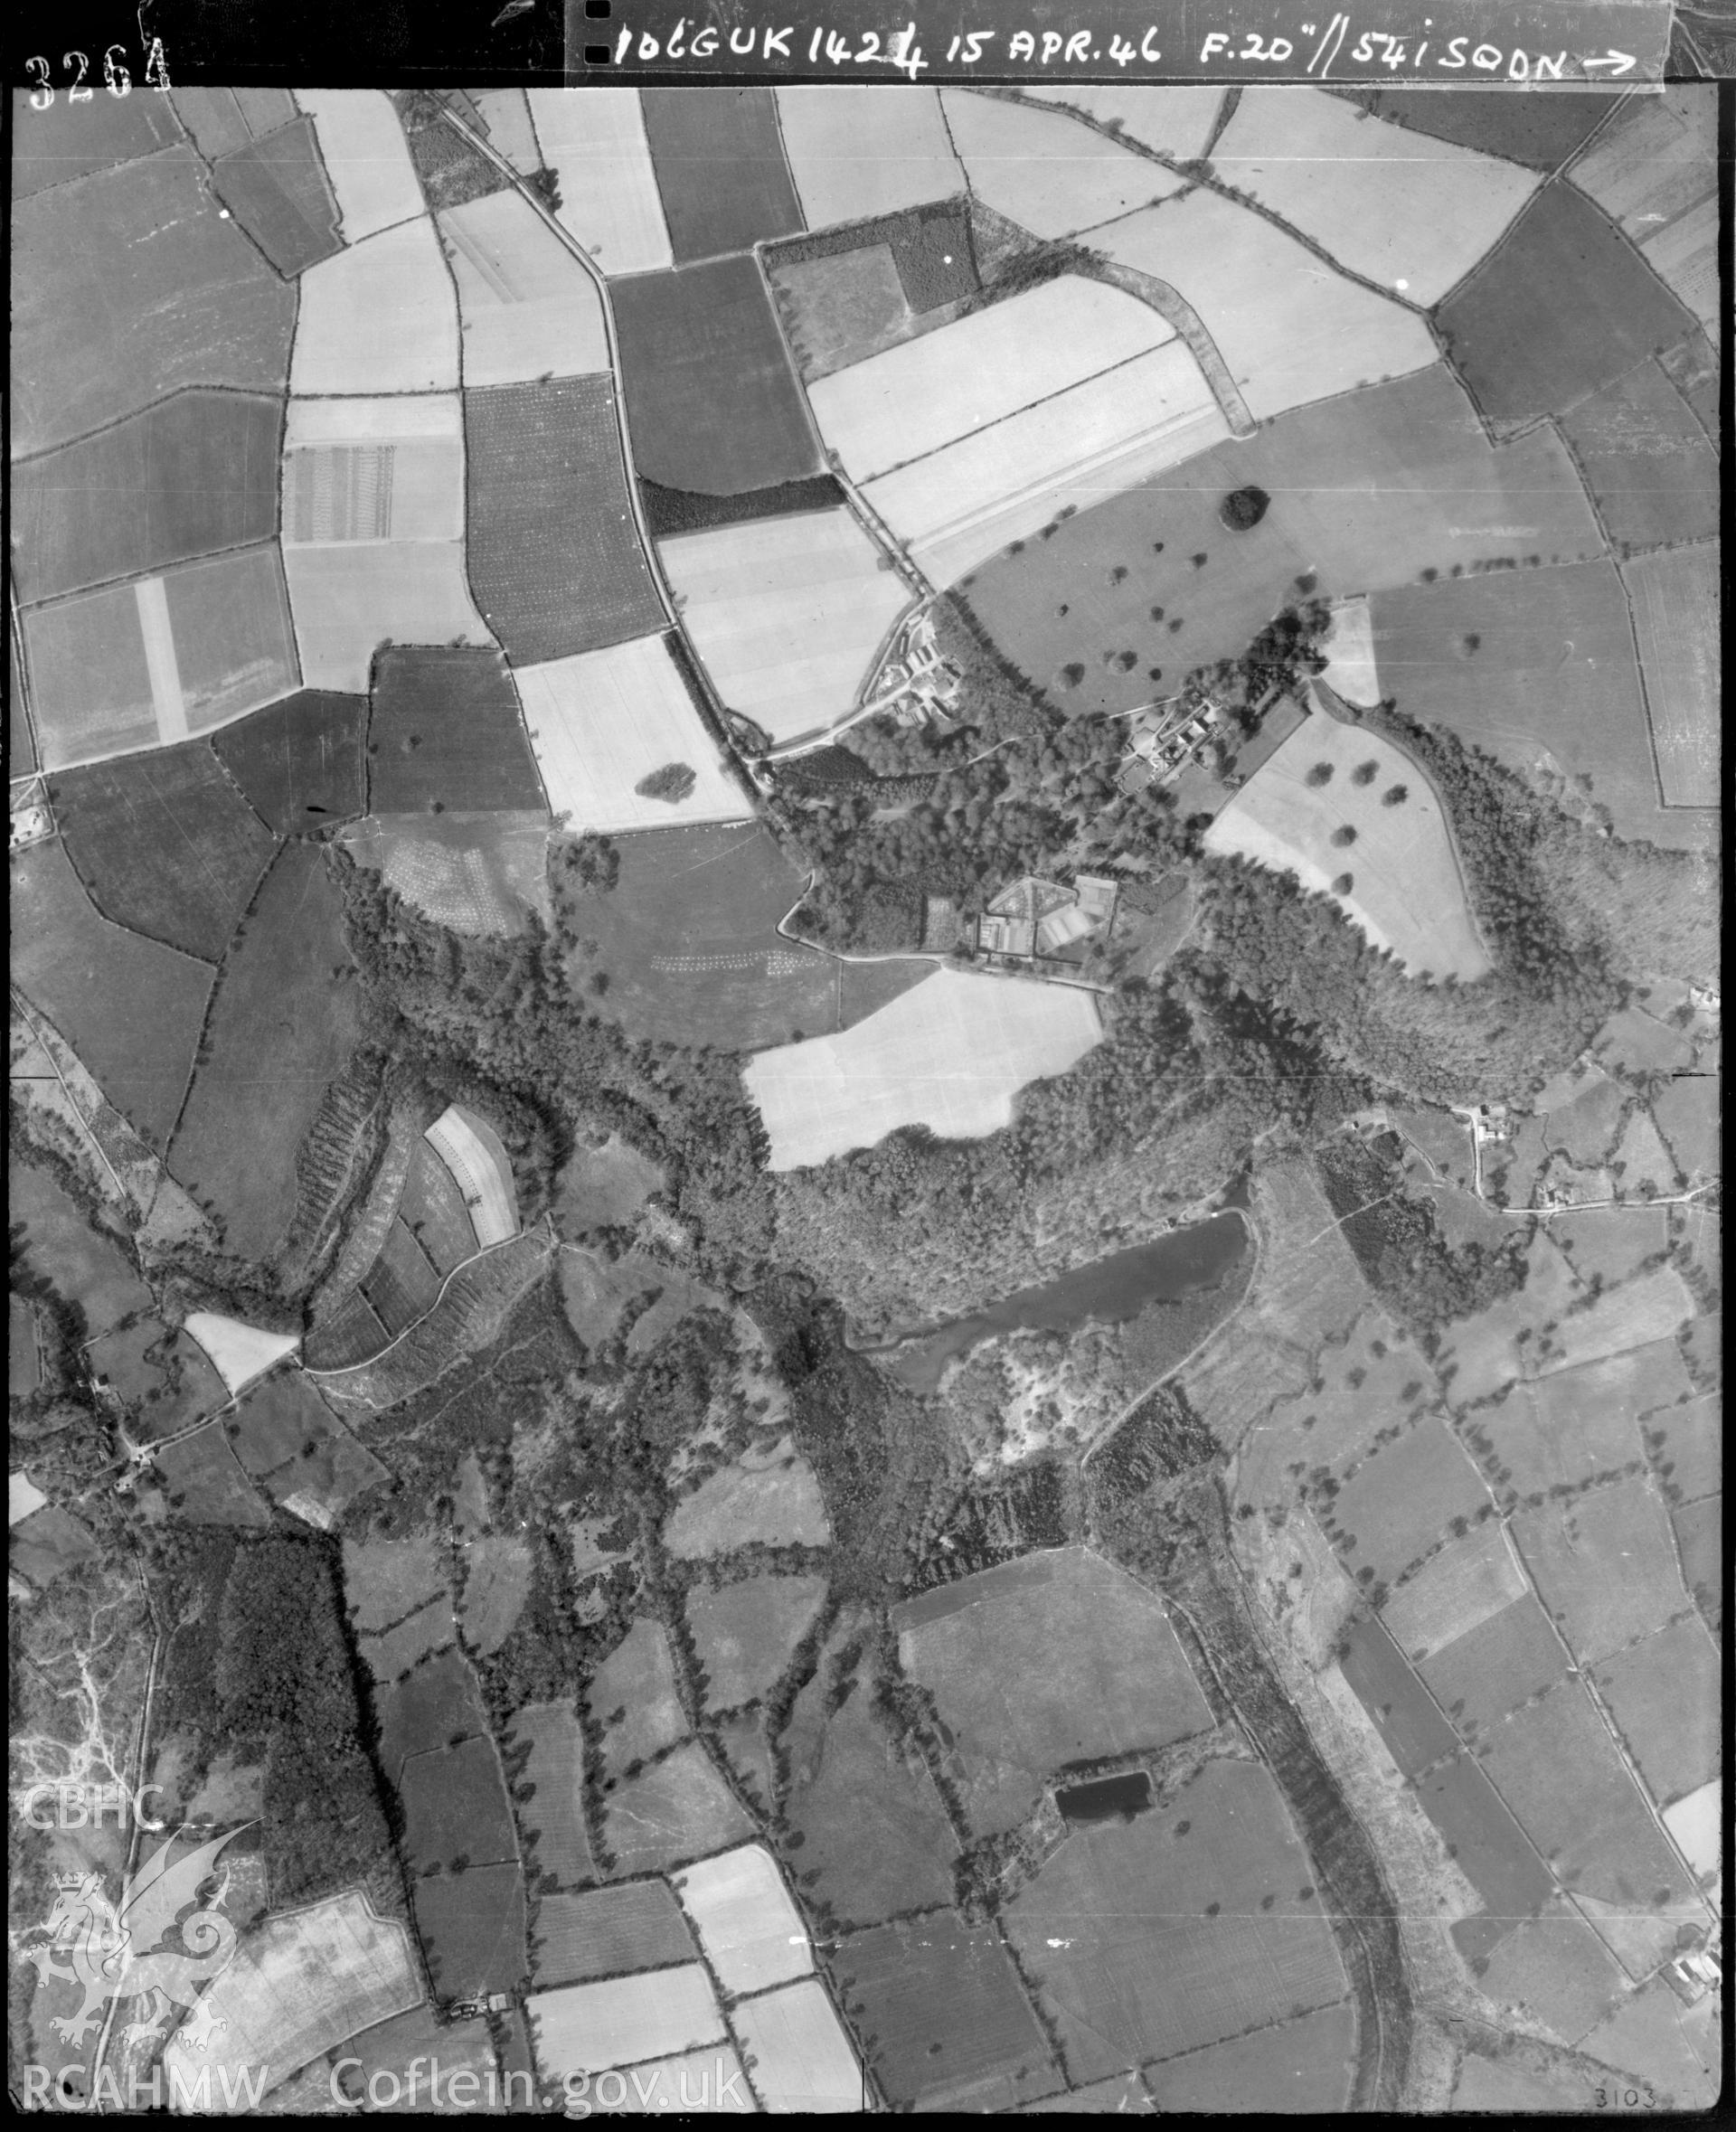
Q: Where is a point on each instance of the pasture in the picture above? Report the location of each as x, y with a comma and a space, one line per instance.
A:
1698, 1528
602, 723
787, 614
284, 1019
843, 300
1045, 171
712, 401
744, 1633
1415, 1734
1321, 808
856, 153
1098, 1668
770, 1498
85, 1265
53, 146
1405, 1497
299, 762
193, 474
1647, 461
1685, 254
380, 317
1366, 493
165, 845
526, 307
681, 1808
1491, 1669
1674, 600
951, 1054
608, 1932
366, 156
594, 142
239, 1353
1460, 1589
445, 732
944, 2001
1686, 1442
301, 1455
1611, 1243
471, 1925
386, 1579
632, 1696
719, 169
1125, 2096
349, 599
131, 1009
277, 189
398, 1651
552, 551
1654, 161
204, 1485
505, 115
801, 2056
1563, 308
454, 1808
92, 339
374, 469
624, 2020
552, 1817
1299, 2067
1288, 333
1665, 1697
603, 1186
164, 1379
749, 1928
1651, 1307
497, 1584
1177, 121
1554, 1968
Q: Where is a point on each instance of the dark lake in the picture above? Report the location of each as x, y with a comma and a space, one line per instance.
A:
1105, 1798
1111, 1290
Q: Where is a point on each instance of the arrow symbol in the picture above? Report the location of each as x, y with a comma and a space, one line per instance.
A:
1618, 62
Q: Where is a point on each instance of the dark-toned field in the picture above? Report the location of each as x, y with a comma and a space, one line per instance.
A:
433, 1211
1665, 1697
69, 140
93, 337
287, 1440
1404, 1714
553, 554
1647, 461
1564, 306
280, 1030
131, 1009
946, 2021
711, 397
1488, 1847
608, 1932
301, 762
546, 1754
277, 191
455, 1807
471, 1925
1539, 131
220, 119
720, 167
165, 845
688, 944
1494, 1667
57, 1243
446, 733
196, 473
402, 1284
439, 1703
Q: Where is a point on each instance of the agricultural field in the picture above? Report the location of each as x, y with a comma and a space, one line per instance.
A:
604, 723
394, 1654
300, 763
857, 153
132, 1010
1101, 1671
1696, 1823
1389, 206
1604, 1566
93, 342
1565, 1428
632, 1696
1323, 808
284, 1003
302, 1456
1300, 2068
680, 1808
1555, 1969
446, 733
745, 1633
1046, 172
165, 1380
603, 1186
944, 2001
768, 1498
849, 293
53, 147
380, 317
1481, 1674
1537, 132
608, 1932
1561, 308
1367, 492
624, 2020
350, 598
787, 614
385, 468
204, 1485
526, 307
1686, 1442
505, 115
748, 1928
471, 1926
83, 1263
366, 156
433, 1209
277, 188
547, 1736
594, 142
239, 1353
719, 169
1179, 122
800, 2055
1665, 1697
951, 1055
712, 401
1412, 1729
497, 1585
164, 845
193, 475
1674, 600
1653, 170
1698, 1528
1647, 461
454, 1808
1456, 1591
471, 873
553, 554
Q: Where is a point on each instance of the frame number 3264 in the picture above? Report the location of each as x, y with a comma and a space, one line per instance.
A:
116, 75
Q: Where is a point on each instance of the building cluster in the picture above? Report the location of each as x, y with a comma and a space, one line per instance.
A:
32, 819
1029, 921
915, 683
1163, 738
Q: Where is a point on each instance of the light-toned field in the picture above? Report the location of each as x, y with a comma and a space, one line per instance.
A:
1176, 122
594, 142
374, 469
637, 1680
1414, 214
385, 1580
347, 600
507, 117
787, 614
1408, 895
303, 1983
1675, 599
1697, 1824
1296, 2069
768, 1496
1043, 170
679, 1809
1644, 1310
623, 2020
1351, 672
479, 1167
1464, 1586
366, 157
380, 317
960, 506
950, 1055
910, 400
799, 2057
744, 1633
240, 1352
1488, 2088
1604, 1566
1657, 161
1686, 255
432, 1627
496, 1589
748, 1927
601, 721
526, 307
856, 152
1289, 331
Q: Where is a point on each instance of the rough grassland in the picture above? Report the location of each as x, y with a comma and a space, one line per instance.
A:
165, 845
471, 873
553, 554
280, 1031
1647, 461
744, 1633
439, 1702
1296, 2067
85, 1266
632, 1696
131, 1009
496, 1589
719, 169
386, 1579
93, 337
679, 1809
773, 1499
712, 400
445, 732
455, 1806
1675, 619
301, 762
196, 473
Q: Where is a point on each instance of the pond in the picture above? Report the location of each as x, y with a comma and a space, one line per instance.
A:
1111, 1290
1105, 1798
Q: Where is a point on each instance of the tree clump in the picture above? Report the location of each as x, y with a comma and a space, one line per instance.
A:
1243, 508
673, 782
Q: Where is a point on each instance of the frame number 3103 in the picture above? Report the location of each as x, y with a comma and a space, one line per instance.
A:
117, 78
1640, 2098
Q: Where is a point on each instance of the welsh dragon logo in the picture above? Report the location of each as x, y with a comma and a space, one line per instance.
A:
115, 1953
